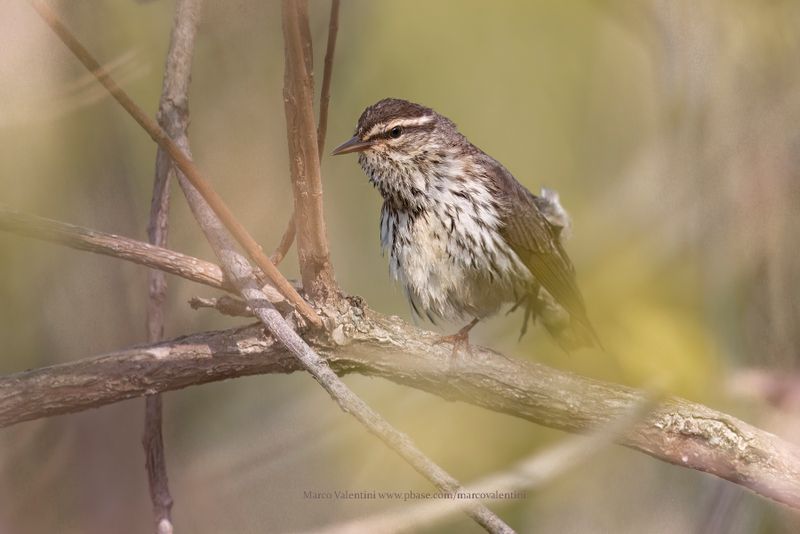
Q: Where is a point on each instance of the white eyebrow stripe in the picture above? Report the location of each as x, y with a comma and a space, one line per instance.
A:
383, 126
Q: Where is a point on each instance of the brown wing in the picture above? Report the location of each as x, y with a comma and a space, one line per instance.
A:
537, 243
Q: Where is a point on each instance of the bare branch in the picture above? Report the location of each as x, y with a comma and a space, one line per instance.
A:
304, 156
80, 238
676, 431
286, 241
173, 116
322, 124
182, 160
156, 464
327, 74
124, 248
225, 305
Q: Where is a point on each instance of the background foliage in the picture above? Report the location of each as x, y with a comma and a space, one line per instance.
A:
668, 127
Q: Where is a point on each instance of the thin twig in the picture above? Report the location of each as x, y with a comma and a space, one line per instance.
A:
677, 431
173, 117
239, 271
182, 160
286, 241
156, 464
124, 248
225, 305
325, 93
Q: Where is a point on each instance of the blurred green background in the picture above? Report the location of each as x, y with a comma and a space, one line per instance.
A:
669, 127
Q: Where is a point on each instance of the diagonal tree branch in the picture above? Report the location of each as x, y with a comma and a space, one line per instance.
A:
364, 342
124, 248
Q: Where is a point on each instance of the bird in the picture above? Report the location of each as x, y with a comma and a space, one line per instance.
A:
463, 236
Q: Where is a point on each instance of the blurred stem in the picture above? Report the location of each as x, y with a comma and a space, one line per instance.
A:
173, 117
325, 94
532, 473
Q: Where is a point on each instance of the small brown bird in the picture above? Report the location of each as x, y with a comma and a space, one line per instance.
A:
464, 237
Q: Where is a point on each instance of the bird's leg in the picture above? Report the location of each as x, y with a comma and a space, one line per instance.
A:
459, 339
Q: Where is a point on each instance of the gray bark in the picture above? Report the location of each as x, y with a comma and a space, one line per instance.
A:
364, 342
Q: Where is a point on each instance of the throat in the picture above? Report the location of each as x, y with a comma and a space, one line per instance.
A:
402, 189
413, 182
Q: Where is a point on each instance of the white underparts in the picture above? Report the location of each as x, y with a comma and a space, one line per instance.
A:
441, 233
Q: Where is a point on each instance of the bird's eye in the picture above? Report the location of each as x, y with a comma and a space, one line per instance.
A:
395, 132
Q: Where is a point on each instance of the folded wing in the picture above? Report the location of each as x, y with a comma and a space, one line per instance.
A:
538, 245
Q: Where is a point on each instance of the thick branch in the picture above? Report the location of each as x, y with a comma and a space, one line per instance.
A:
676, 431
322, 125
298, 93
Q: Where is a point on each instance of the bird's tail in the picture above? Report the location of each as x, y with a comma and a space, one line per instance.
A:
574, 334
570, 332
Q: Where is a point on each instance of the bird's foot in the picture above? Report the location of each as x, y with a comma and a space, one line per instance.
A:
460, 340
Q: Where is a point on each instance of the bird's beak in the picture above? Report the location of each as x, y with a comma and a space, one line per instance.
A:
355, 144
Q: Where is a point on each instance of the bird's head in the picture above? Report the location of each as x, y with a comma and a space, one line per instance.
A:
401, 144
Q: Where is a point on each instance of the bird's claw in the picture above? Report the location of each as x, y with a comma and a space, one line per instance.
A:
459, 340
